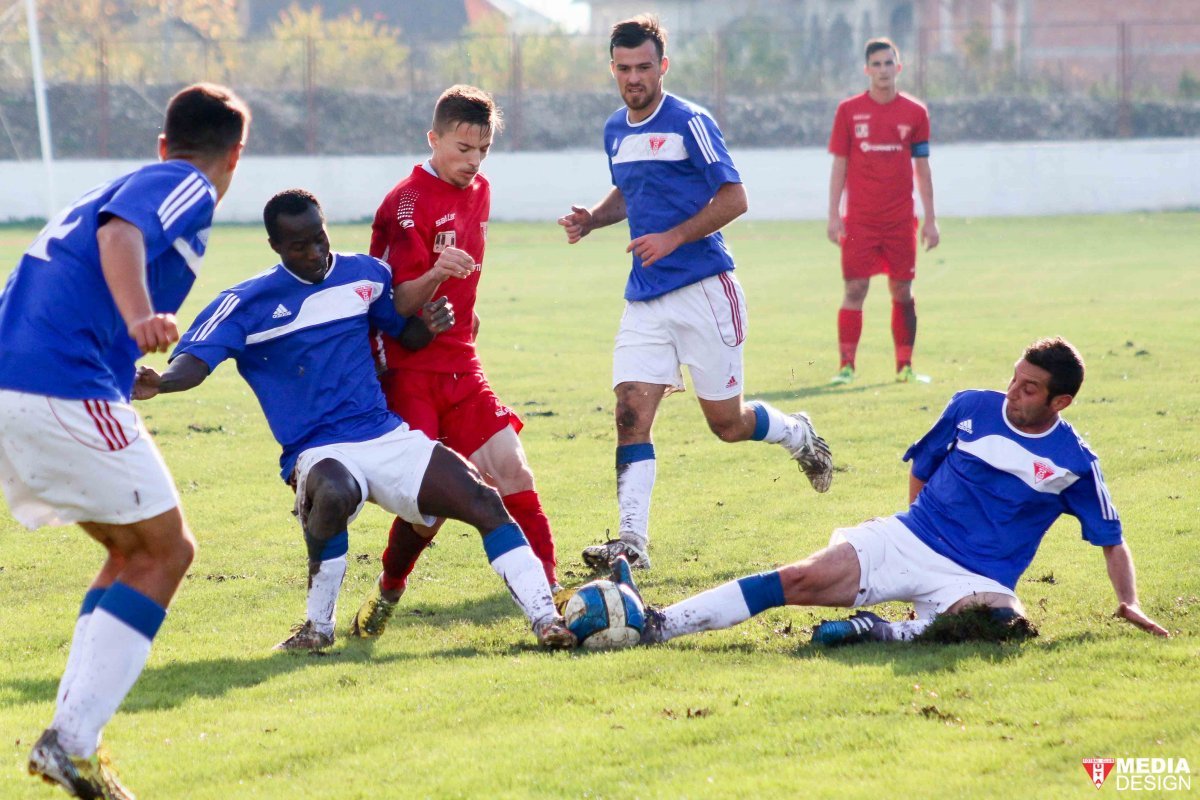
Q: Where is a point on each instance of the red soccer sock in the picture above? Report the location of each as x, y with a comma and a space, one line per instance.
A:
904, 331
404, 547
526, 509
849, 332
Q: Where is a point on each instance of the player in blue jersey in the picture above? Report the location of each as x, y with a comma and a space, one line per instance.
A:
988, 480
674, 180
98, 287
299, 333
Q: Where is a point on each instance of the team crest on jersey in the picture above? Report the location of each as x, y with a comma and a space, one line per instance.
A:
364, 292
861, 130
656, 143
904, 131
1041, 471
442, 240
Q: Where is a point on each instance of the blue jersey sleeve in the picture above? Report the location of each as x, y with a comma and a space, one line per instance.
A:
165, 202
1088, 501
382, 311
217, 334
931, 449
708, 154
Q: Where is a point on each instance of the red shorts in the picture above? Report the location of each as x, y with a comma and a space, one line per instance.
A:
868, 251
459, 410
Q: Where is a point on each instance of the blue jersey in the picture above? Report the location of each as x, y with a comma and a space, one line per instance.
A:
668, 167
304, 349
60, 332
992, 492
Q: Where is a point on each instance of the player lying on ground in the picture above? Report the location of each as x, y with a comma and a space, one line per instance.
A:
432, 229
299, 335
676, 184
988, 480
98, 287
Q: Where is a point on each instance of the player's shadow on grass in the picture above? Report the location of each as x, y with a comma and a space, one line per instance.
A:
800, 393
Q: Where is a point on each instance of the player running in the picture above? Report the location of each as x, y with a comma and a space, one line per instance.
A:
674, 180
299, 335
98, 287
988, 480
879, 138
432, 229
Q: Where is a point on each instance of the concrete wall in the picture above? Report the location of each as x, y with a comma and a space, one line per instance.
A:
969, 180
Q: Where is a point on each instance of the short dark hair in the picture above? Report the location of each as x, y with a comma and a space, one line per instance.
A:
205, 119
289, 202
1060, 358
881, 43
467, 105
636, 31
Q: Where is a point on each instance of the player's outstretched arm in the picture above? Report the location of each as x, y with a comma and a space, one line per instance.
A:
727, 204
582, 221
186, 372
437, 316
123, 262
1119, 561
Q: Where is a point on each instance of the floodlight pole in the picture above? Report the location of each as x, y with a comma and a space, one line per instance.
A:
39, 96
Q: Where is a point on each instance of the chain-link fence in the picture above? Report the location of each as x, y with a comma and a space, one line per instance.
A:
769, 87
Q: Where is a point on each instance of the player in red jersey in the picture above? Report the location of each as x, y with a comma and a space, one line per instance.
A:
880, 140
432, 229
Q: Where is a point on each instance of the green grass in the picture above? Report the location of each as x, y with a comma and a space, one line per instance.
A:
455, 700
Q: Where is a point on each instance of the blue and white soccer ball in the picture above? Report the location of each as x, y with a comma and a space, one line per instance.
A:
605, 615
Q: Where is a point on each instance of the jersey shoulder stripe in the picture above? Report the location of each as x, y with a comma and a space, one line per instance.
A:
223, 311
328, 305
702, 139
181, 198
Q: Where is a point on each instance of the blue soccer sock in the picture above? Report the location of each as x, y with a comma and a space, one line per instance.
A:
770, 424
635, 484
325, 584
90, 600
513, 560
115, 648
725, 606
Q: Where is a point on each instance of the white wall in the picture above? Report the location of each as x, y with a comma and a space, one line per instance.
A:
969, 180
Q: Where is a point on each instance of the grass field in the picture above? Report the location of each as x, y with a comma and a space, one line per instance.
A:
456, 700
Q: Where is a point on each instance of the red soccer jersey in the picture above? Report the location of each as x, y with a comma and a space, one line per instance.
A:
879, 141
421, 216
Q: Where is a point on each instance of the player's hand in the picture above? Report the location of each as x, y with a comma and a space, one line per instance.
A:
577, 224
145, 385
930, 235
438, 315
1132, 613
654, 247
836, 230
454, 263
155, 334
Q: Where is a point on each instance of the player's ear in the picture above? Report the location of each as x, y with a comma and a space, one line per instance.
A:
432, 137
162, 147
666, 64
899, 68
1059, 402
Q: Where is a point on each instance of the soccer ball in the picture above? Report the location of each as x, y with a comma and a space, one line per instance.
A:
605, 615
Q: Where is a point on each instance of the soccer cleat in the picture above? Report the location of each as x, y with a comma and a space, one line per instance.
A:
845, 375
652, 630
811, 452
373, 615
603, 556
90, 778
906, 375
306, 637
622, 574
860, 627
553, 633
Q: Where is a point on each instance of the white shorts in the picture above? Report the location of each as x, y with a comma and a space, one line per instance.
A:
895, 565
701, 325
67, 461
389, 471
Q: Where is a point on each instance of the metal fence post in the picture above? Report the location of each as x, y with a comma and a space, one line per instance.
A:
1124, 112
310, 69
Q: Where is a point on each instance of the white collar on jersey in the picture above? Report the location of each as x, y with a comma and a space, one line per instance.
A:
333, 257
661, 103
1047, 432
428, 167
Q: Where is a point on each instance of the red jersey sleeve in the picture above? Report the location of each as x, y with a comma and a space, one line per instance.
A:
379, 230
839, 138
921, 129
398, 238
